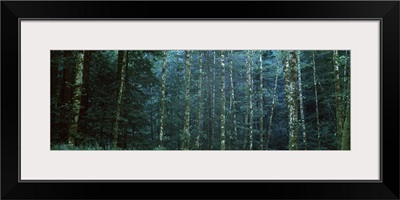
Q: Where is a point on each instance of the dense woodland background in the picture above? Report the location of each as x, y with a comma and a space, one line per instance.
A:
200, 100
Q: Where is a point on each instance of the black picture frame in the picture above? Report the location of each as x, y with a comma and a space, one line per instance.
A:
386, 11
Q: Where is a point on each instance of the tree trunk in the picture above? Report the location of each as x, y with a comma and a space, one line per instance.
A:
73, 127
178, 95
197, 144
316, 101
346, 131
213, 103
82, 125
246, 117
291, 99
301, 101
261, 104
121, 76
346, 126
295, 117
209, 95
222, 101
163, 79
272, 108
251, 104
186, 131
338, 99
346, 88
232, 103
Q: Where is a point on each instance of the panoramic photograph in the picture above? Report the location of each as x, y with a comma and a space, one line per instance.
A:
247, 100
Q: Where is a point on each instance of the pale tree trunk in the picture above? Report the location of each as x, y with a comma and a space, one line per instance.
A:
316, 101
251, 102
82, 127
303, 125
209, 95
248, 80
121, 76
261, 104
293, 65
286, 75
178, 96
338, 99
346, 89
346, 130
186, 130
162, 117
232, 102
291, 98
213, 104
222, 101
77, 94
346, 126
199, 102
272, 108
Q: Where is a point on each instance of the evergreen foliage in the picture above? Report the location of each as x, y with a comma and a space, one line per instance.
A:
200, 100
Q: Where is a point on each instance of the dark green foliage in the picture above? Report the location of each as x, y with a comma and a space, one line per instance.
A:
139, 123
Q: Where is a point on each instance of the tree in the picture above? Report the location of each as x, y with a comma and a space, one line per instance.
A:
197, 144
232, 102
346, 86
338, 98
222, 101
291, 98
272, 108
121, 76
301, 101
73, 127
82, 127
186, 131
316, 101
247, 99
250, 79
261, 103
213, 104
162, 115
346, 131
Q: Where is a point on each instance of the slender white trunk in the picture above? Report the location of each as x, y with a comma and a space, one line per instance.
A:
232, 101
272, 108
186, 130
222, 101
213, 101
73, 128
338, 98
199, 101
246, 118
163, 79
301, 101
251, 105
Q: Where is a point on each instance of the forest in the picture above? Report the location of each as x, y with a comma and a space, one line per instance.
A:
200, 99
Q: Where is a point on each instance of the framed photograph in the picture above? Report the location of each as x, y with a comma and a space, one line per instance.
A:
298, 96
